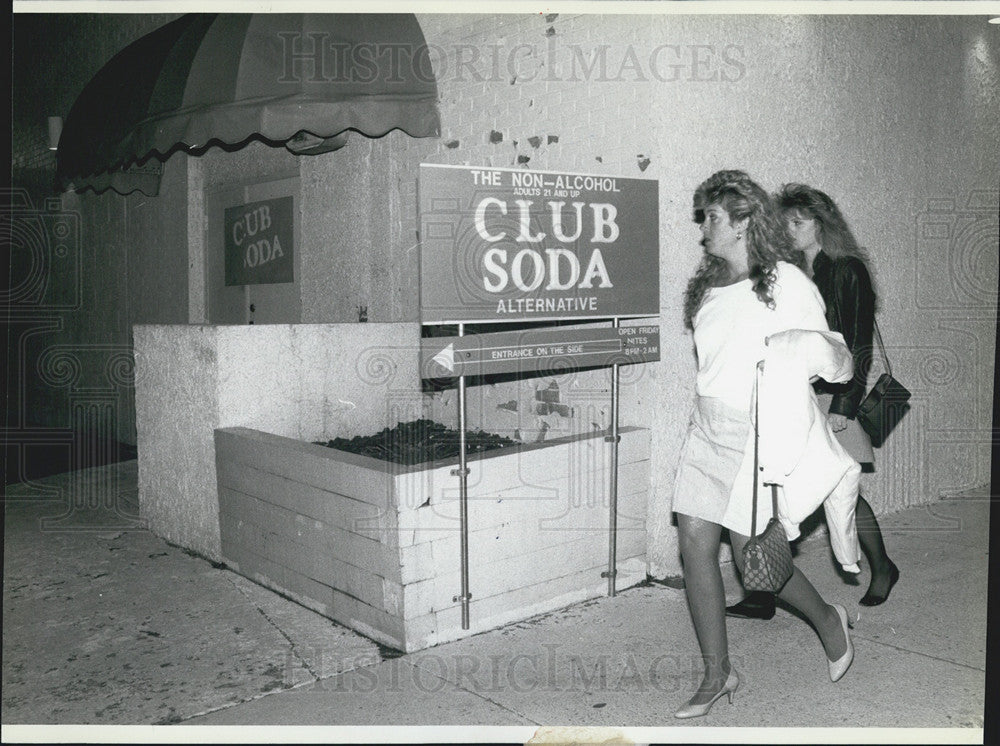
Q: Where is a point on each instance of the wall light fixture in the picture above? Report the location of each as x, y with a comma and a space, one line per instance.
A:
55, 130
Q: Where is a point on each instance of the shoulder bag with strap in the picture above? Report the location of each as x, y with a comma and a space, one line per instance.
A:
885, 404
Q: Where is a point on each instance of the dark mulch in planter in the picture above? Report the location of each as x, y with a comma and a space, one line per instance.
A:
418, 442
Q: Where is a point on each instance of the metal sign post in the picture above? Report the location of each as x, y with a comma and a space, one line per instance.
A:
614, 439
533, 352
462, 472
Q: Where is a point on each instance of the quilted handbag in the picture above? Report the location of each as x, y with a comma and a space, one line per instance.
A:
885, 404
767, 558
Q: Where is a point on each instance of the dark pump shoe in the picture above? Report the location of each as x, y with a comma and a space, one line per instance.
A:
757, 605
875, 599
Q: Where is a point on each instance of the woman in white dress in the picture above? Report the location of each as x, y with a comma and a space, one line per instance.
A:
839, 267
749, 285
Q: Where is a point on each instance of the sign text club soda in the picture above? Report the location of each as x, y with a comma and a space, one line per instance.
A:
541, 245
559, 268
256, 250
259, 242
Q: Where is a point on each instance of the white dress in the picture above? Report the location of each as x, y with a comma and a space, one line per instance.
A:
729, 333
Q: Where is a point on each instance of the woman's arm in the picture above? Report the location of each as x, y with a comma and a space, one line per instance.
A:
855, 300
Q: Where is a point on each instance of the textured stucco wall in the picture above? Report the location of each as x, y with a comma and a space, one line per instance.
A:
156, 240
892, 116
309, 382
252, 163
895, 117
318, 381
177, 410
358, 232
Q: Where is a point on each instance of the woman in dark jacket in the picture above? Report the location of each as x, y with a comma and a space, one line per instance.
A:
838, 266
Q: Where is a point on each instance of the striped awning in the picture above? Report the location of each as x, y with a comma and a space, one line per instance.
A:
302, 80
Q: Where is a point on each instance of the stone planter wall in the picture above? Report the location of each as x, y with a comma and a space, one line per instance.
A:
376, 546
305, 381
309, 382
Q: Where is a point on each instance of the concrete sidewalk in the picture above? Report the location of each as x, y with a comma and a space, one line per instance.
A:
105, 623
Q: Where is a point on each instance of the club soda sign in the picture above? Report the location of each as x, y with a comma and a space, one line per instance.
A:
259, 242
515, 245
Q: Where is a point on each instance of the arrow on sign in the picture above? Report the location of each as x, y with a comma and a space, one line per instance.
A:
446, 358
532, 351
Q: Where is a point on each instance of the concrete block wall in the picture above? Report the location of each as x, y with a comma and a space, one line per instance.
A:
376, 545
290, 521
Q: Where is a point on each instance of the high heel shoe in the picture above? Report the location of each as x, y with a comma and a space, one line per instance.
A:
874, 599
696, 711
839, 667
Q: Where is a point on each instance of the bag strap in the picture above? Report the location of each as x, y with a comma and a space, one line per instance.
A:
881, 346
756, 442
756, 450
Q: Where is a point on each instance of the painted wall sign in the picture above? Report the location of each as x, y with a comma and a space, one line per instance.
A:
537, 350
513, 245
259, 242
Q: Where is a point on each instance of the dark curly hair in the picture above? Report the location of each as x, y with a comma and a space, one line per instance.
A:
835, 235
766, 238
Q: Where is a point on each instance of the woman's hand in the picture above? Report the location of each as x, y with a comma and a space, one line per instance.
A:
837, 421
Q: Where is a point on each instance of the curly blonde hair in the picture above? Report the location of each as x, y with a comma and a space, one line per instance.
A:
766, 238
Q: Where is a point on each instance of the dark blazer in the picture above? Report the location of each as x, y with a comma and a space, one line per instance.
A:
847, 290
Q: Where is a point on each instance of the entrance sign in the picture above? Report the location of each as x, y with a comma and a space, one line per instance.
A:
505, 245
537, 350
259, 242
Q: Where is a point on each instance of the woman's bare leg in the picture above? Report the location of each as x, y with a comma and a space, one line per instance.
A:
699, 545
801, 594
